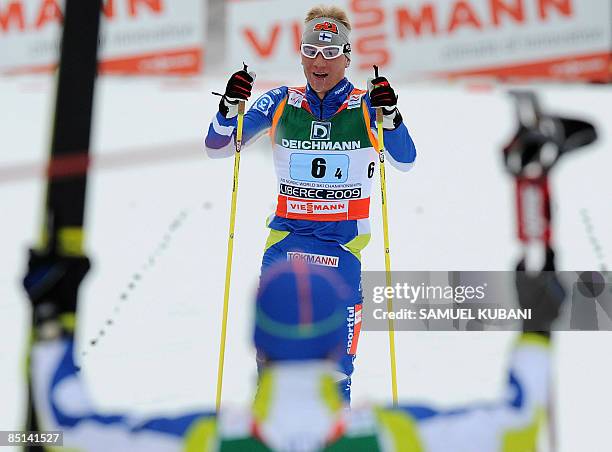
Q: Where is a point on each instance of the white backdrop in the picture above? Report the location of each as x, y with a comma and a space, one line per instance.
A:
439, 38
560, 39
137, 36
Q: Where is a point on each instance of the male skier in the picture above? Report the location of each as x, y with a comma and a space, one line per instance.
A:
325, 152
299, 333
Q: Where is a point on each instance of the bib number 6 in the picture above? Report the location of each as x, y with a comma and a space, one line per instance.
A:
371, 170
318, 168
325, 168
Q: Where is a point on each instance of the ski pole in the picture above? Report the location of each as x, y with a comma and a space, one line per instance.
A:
383, 191
540, 141
230, 252
62, 234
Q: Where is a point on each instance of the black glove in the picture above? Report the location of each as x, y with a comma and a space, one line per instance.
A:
382, 95
542, 293
52, 284
561, 135
238, 88
525, 150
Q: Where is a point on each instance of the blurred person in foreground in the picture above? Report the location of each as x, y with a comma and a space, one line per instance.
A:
299, 334
325, 152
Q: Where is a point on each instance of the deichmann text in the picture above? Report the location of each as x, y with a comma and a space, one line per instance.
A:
321, 145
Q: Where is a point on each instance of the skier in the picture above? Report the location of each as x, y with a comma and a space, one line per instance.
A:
323, 137
299, 332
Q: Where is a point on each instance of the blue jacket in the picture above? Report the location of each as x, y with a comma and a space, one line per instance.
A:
401, 152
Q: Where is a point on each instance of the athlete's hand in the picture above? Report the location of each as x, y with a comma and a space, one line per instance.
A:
52, 283
238, 88
542, 293
382, 95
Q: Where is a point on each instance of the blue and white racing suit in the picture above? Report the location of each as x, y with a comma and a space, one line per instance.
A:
338, 131
297, 408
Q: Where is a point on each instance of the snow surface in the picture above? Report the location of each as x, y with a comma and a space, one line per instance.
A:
158, 208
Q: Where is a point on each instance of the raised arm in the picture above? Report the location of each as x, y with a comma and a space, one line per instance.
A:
513, 422
59, 392
219, 141
62, 403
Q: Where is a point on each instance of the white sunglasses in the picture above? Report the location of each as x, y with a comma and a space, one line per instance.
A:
328, 52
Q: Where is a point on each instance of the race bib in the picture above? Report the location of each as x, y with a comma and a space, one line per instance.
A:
324, 168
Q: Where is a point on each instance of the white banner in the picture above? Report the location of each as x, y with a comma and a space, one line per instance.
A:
560, 39
137, 36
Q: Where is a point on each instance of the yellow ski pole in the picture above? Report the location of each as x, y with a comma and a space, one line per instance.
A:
383, 190
230, 252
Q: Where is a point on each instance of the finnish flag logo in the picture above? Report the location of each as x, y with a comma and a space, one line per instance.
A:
325, 36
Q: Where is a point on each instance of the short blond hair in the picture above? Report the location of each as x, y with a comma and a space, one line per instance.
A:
333, 12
